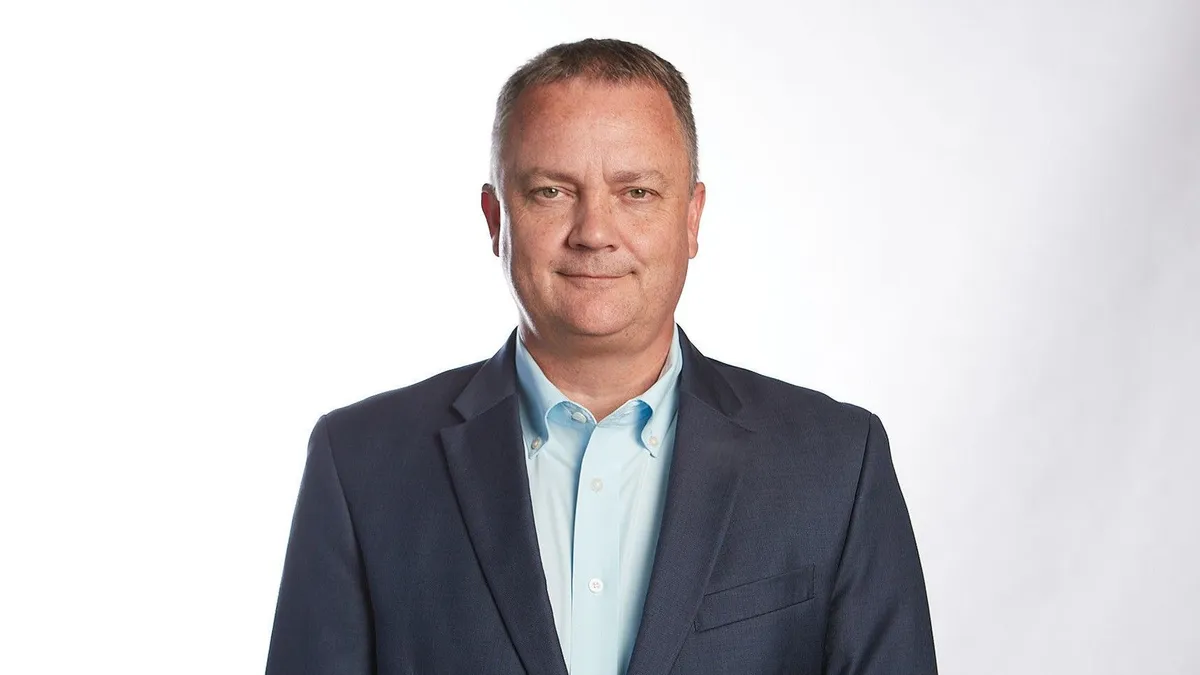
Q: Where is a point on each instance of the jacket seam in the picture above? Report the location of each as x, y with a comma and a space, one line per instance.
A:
362, 561
850, 521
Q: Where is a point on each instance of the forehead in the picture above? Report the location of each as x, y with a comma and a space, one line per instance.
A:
577, 119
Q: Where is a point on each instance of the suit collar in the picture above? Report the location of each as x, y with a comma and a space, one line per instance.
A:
496, 380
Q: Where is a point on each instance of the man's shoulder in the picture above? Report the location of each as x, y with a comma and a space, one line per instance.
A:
769, 403
421, 405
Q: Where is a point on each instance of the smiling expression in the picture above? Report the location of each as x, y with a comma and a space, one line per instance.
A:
600, 217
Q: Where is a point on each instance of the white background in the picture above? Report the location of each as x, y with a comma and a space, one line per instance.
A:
980, 220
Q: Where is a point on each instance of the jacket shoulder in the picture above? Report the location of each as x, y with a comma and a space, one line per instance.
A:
422, 406
771, 404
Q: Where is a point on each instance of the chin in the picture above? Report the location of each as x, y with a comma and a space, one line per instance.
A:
596, 321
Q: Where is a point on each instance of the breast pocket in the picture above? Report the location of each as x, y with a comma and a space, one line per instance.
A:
756, 598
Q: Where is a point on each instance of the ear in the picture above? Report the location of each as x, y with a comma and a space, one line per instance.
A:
490, 204
695, 208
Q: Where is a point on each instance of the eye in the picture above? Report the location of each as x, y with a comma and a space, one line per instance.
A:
547, 192
639, 193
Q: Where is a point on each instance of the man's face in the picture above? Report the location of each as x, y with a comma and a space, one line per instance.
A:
599, 221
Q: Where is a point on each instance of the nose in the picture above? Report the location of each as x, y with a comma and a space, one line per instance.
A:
595, 223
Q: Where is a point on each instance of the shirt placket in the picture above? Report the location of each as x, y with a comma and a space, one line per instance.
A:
596, 569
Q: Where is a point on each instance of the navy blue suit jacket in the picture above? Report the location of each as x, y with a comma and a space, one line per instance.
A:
785, 544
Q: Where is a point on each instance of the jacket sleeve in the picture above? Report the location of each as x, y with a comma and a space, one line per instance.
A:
323, 621
879, 614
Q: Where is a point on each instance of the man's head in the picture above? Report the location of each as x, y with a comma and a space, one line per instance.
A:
594, 207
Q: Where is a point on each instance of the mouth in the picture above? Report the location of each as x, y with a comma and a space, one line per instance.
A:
592, 280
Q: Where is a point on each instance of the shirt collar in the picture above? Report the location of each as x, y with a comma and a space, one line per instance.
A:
539, 396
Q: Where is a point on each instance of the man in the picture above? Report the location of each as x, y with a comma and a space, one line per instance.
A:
599, 497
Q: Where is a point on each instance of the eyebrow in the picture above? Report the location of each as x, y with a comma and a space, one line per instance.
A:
547, 174
638, 176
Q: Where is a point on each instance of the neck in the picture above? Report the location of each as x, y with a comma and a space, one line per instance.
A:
600, 373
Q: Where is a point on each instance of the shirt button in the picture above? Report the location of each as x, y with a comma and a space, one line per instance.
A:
537, 443
595, 586
597, 485
654, 441
578, 416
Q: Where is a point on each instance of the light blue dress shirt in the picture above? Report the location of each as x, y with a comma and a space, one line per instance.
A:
598, 489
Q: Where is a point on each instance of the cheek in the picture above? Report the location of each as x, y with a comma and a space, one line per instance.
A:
663, 253
531, 249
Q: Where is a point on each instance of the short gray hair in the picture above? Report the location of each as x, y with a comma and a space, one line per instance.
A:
607, 60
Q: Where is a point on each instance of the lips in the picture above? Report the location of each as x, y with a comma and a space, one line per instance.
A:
594, 275
592, 281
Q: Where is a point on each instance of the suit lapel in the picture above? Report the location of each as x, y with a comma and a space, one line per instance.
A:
487, 466
486, 461
701, 487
